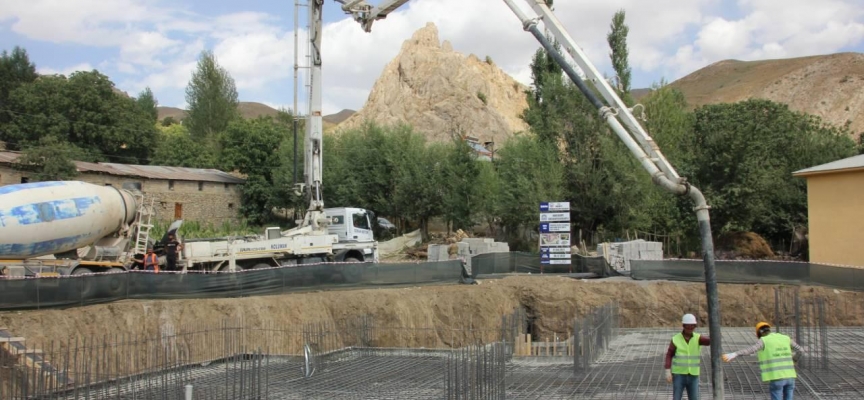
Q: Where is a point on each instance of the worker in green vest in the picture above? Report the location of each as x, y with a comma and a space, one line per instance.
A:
775, 360
682, 359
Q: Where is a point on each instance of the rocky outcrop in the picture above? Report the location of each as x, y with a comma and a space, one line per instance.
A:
441, 92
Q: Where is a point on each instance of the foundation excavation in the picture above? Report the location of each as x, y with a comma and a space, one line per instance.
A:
585, 356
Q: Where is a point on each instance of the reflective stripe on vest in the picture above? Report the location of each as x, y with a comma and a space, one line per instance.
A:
775, 358
686, 359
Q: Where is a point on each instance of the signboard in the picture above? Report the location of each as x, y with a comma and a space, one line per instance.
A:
555, 217
554, 206
554, 239
546, 227
555, 233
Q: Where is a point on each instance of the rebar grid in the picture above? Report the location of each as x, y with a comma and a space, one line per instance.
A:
362, 358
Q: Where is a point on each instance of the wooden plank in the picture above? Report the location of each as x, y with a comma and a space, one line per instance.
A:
11, 339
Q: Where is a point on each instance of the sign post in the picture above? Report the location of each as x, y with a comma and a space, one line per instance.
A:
555, 234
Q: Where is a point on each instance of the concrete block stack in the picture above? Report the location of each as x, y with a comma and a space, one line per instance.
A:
619, 254
485, 245
438, 252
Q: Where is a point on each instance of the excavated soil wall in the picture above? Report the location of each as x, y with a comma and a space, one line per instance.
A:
547, 300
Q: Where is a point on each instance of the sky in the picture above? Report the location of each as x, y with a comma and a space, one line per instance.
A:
155, 43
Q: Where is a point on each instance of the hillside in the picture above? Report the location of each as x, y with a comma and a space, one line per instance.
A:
830, 86
441, 92
251, 109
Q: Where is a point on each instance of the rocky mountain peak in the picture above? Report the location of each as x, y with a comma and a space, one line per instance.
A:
442, 93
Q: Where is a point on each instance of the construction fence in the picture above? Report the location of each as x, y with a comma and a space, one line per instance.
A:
522, 262
79, 290
768, 272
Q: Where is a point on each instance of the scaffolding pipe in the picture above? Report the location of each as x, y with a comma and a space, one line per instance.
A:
678, 187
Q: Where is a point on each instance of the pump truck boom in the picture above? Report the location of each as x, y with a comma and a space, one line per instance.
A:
614, 112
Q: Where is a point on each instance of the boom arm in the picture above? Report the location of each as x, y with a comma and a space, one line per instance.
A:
637, 140
643, 148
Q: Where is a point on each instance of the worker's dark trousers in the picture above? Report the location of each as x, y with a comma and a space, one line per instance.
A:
171, 263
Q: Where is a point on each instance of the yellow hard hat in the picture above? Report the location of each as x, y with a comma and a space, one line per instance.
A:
760, 326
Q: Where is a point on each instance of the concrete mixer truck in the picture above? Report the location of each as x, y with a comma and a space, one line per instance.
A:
73, 228
67, 227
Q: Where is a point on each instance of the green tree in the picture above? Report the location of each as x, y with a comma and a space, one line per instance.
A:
147, 103
599, 174
175, 147
15, 70
83, 110
50, 160
212, 98
487, 200
617, 39
532, 174
251, 147
459, 182
743, 158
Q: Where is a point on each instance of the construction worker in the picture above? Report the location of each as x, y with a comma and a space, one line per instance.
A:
171, 249
151, 261
775, 360
682, 359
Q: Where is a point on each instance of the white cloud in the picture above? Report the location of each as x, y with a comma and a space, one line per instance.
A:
157, 42
65, 71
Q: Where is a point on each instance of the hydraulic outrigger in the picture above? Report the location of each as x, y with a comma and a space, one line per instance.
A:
614, 112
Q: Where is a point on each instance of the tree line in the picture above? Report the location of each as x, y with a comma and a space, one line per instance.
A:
740, 155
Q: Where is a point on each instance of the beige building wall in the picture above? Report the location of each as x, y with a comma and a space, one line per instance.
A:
205, 202
835, 203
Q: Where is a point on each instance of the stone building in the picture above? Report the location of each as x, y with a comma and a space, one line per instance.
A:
191, 194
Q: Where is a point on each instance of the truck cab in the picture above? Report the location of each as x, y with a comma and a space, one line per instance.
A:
350, 224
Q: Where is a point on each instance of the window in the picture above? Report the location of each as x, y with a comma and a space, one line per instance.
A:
338, 220
227, 186
230, 205
170, 185
25, 179
360, 221
200, 186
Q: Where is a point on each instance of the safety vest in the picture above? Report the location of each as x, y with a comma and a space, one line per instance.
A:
686, 360
775, 358
151, 259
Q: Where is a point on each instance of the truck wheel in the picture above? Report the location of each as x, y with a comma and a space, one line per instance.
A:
117, 282
352, 273
85, 284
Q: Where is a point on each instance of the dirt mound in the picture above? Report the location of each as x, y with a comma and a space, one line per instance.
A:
743, 246
546, 299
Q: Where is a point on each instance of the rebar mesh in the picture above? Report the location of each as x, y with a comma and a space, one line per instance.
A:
361, 358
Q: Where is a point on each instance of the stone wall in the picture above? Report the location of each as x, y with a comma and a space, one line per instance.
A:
210, 202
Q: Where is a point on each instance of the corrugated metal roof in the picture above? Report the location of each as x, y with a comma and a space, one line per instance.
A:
145, 171
854, 162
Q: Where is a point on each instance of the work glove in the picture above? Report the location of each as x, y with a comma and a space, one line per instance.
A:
729, 357
796, 356
669, 376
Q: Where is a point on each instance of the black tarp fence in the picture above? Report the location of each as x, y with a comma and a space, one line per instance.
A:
52, 292
769, 272
522, 262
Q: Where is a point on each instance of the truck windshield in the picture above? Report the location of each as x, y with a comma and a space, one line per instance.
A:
360, 221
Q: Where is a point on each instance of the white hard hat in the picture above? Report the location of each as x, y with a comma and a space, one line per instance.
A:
689, 319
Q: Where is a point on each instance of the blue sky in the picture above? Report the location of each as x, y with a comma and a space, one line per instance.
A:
155, 43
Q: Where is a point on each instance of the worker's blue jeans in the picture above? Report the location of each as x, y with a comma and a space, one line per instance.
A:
681, 382
782, 389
